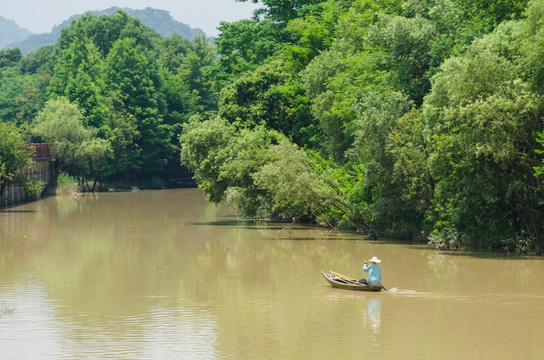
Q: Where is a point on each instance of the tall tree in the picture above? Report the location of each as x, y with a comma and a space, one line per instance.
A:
78, 77
41, 61
377, 115
243, 46
105, 30
281, 11
268, 95
482, 121
194, 71
9, 58
133, 74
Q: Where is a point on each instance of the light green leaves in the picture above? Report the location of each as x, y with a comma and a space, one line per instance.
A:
14, 154
79, 151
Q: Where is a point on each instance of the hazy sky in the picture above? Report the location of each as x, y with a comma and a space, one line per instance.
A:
39, 16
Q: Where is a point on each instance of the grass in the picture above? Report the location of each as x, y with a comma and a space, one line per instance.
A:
66, 185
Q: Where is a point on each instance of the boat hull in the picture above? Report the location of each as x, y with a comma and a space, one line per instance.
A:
344, 282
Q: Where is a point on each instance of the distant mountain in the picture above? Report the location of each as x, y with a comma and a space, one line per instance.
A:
10, 32
159, 20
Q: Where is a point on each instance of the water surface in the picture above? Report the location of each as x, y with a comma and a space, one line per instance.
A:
165, 275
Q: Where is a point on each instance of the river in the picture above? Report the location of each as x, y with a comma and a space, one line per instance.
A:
166, 275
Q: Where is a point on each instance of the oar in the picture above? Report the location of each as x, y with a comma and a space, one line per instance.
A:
347, 281
341, 279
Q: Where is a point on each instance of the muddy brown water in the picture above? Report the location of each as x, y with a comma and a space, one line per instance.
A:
166, 275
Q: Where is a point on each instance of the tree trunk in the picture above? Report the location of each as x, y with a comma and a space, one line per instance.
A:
126, 177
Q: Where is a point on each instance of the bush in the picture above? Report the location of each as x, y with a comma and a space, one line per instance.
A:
66, 184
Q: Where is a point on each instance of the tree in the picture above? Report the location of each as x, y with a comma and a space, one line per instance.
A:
103, 31
80, 153
377, 115
181, 102
336, 81
482, 121
133, 75
243, 46
123, 135
410, 176
304, 185
270, 96
41, 61
194, 71
14, 155
9, 59
202, 152
261, 173
408, 42
496, 11
172, 51
281, 11
311, 32
78, 77
533, 44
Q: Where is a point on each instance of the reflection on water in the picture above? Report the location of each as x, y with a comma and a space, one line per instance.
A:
372, 315
165, 275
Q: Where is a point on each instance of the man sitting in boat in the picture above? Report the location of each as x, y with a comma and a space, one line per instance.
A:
374, 272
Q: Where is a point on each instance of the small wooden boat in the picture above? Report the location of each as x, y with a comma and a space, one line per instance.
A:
344, 282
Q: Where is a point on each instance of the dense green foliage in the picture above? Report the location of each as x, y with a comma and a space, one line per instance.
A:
402, 118
14, 155
78, 150
411, 119
111, 96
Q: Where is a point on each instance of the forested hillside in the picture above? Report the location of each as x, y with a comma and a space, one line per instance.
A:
407, 119
158, 20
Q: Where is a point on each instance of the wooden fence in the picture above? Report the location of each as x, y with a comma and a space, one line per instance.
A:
42, 168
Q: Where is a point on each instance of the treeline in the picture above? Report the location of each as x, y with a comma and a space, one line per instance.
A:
407, 119
111, 96
410, 119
